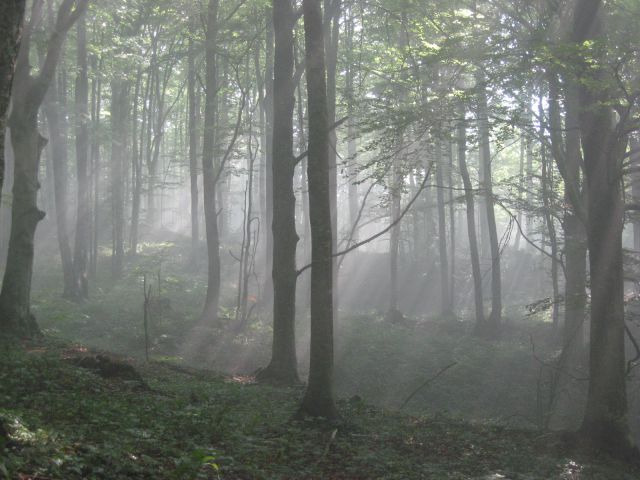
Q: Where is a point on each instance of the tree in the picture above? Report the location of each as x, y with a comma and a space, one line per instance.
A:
283, 365
605, 421
492, 323
208, 174
83, 219
53, 104
28, 94
11, 18
471, 217
318, 399
119, 115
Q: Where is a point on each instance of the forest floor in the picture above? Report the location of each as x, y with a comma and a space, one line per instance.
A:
72, 413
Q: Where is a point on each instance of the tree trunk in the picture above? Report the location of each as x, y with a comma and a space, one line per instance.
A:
268, 179
193, 148
318, 400
493, 322
445, 293
605, 421
81, 247
352, 148
471, 219
210, 312
96, 107
395, 190
331, 26
283, 365
28, 95
11, 17
119, 114
547, 189
59, 158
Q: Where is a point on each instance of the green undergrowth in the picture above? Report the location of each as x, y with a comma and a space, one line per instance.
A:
64, 421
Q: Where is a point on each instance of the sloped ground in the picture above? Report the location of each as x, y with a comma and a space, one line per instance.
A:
66, 419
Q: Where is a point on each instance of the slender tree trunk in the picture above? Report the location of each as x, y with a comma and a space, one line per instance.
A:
331, 26
634, 145
283, 365
547, 189
471, 219
59, 158
193, 148
95, 154
83, 219
318, 400
144, 149
452, 226
119, 114
569, 160
493, 321
210, 312
352, 148
136, 163
445, 294
395, 189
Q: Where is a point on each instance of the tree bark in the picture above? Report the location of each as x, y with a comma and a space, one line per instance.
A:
11, 18
471, 219
605, 421
119, 114
59, 158
445, 293
81, 247
283, 365
28, 95
193, 147
318, 400
210, 312
493, 321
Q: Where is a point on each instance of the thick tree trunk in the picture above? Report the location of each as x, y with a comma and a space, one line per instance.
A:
83, 219
318, 400
15, 299
11, 17
210, 312
605, 421
471, 219
283, 365
28, 95
268, 110
493, 321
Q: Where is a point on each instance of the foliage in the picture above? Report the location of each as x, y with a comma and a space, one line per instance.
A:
65, 422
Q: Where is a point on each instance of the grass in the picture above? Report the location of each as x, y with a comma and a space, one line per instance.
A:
481, 419
67, 422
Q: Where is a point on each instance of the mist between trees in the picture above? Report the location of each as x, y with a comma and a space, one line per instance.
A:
299, 191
